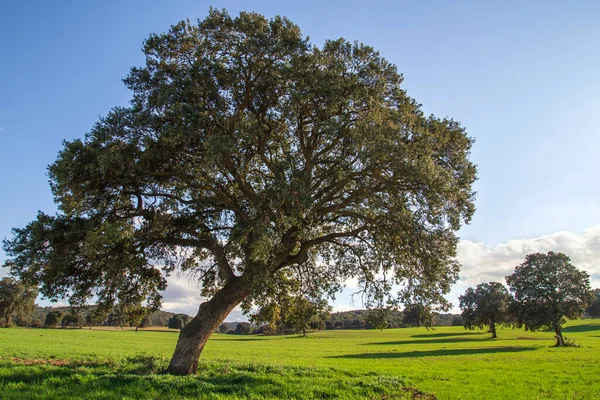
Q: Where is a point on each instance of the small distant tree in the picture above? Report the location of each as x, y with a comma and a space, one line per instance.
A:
225, 327
338, 325
135, 315
96, 317
486, 305
74, 319
54, 319
378, 318
305, 312
418, 315
16, 299
115, 318
594, 308
270, 314
293, 306
243, 328
457, 320
547, 289
178, 321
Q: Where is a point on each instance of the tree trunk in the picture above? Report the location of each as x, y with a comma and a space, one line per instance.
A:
195, 334
493, 329
8, 321
559, 337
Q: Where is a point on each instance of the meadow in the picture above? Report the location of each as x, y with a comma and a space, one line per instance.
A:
410, 363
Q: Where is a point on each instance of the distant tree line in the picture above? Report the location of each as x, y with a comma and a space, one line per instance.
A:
88, 316
355, 319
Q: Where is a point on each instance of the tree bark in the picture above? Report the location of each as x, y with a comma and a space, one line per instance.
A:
195, 334
559, 337
493, 329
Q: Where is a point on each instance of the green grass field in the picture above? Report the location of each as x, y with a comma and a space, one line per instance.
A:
413, 363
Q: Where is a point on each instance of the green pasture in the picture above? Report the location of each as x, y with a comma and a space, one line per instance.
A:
411, 363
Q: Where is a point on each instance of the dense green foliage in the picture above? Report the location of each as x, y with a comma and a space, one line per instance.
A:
488, 304
449, 362
17, 301
547, 289
178, 321
54, 319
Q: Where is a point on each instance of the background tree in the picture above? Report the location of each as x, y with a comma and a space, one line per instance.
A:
96, 317
54, 319
418, 315
594, 308
243, 328
251, 157
137, 314
378, 318
305, 312
293, 306
178, 321
547, 289
16, 300
486, 305
74, 318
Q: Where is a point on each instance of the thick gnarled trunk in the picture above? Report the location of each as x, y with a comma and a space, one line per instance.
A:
195, 334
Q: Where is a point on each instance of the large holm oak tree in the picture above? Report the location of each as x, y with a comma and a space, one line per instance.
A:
253, 159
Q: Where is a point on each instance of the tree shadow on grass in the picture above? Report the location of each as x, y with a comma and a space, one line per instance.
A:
581, 328
438, 353
436, 335
70, 383
237, 339
432, 341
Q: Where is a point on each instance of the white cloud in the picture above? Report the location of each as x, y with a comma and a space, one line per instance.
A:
342, 308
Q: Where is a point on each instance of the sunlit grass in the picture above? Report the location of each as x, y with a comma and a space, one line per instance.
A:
449, 362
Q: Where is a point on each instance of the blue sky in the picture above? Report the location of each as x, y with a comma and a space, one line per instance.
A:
522, 77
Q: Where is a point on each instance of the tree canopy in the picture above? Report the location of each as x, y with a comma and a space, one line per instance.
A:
486, 305
594, 308
419, 315
547, 289
253, 159
16, 299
